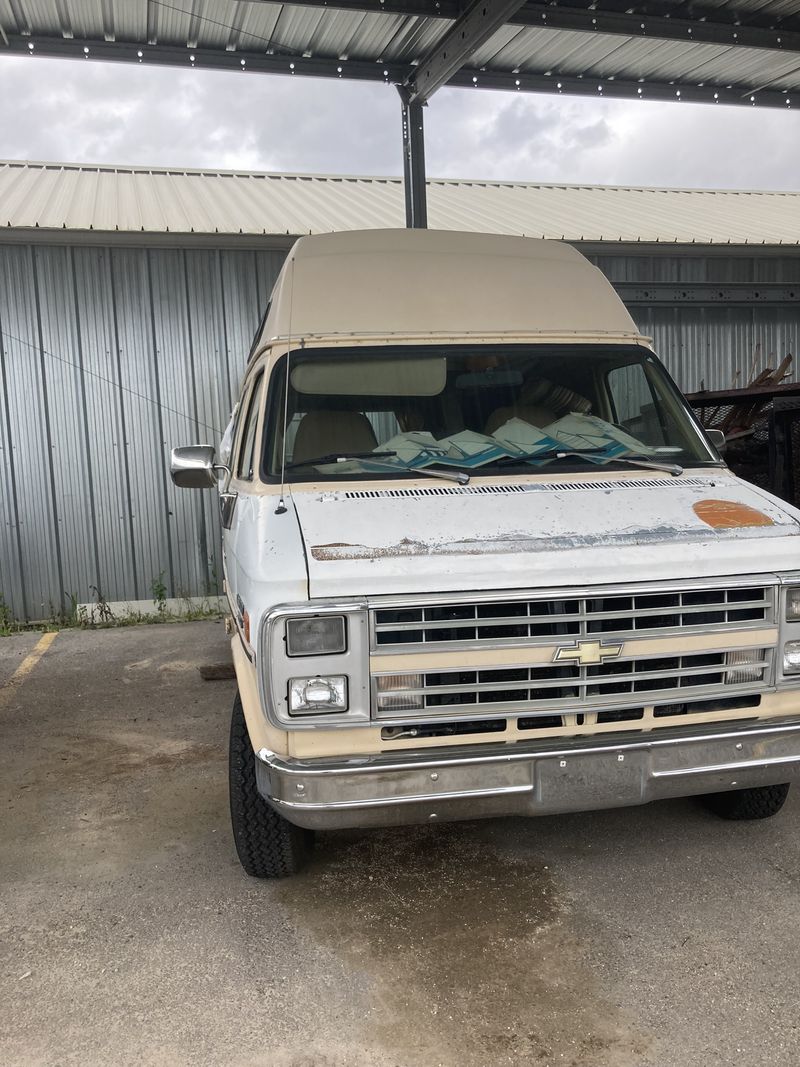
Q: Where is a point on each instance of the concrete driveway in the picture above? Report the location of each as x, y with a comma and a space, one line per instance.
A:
129, 934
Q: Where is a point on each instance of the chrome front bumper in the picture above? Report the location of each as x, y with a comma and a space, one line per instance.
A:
444, 784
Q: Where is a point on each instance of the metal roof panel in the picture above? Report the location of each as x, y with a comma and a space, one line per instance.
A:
233, 204
327, 33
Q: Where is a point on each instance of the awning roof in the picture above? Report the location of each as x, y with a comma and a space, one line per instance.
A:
746, 52
51, 199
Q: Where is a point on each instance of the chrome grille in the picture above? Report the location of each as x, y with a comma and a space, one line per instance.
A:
510, 621
552, 687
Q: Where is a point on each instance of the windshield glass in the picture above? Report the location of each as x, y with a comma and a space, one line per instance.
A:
379, 411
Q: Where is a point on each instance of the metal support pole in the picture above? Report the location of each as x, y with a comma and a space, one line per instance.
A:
414, 167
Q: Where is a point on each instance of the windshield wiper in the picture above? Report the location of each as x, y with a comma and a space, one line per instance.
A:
449, 476
337, 457
649, 464
579, 453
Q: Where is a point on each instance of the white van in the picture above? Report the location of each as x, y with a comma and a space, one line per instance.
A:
482, 559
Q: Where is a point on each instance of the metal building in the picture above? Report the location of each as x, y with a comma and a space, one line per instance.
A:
129, 296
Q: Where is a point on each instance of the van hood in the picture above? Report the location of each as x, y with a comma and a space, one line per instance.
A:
573, 530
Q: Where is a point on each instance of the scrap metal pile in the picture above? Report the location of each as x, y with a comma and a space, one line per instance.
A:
761, 423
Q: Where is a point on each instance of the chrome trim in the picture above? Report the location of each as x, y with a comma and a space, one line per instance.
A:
276, 670
525, 779
767, 578
363, 608
789, 631
575, 624
598, 652
581, 700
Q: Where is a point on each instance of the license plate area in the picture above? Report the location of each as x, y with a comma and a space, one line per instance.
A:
577, 783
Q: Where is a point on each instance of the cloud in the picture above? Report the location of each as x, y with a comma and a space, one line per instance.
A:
504, 136
572, 139
85, 111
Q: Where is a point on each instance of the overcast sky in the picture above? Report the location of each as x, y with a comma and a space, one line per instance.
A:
84, 111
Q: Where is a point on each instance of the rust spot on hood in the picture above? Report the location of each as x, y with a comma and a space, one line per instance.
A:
339, 550
729, 515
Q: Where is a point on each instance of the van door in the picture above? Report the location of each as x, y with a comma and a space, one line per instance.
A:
237, 496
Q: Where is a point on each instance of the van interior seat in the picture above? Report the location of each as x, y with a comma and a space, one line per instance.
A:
530, 413
323, 432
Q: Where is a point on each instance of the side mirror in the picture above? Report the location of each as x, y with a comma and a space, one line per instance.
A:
717, 439
193, 467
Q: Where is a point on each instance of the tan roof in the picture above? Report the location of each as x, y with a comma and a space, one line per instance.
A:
237, 204
433, 282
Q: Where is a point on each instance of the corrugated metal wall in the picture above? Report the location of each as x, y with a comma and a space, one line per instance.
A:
706, 345
109, 357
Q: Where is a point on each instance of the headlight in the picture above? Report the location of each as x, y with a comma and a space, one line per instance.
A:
793, 603
791, 657
310, 696
314, 665
316, 635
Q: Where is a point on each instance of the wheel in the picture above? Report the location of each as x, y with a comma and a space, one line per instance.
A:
268, 845
758, 803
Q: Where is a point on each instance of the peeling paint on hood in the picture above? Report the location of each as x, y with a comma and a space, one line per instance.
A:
386, 544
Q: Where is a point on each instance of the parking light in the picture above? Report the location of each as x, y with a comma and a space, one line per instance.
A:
744, 674
395, 692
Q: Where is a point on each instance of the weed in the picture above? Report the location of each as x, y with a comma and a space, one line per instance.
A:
72, 611
104, 612
61, 617
87, 618
8, 624
159, 593
212, 580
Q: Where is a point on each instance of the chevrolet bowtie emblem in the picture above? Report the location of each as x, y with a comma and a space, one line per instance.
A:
587, 653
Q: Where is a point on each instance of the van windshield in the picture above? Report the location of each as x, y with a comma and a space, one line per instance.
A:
383, 411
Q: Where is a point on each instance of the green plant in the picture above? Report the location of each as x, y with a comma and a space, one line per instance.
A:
100, 615
212, 580
8, 624
70, 616
159, 593
61, 617
104, 612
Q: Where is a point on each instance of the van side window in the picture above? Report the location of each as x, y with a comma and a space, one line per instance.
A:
246, 463
633, 407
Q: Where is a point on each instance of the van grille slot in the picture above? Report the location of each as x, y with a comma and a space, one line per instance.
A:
443, 729
669, 680
510, 621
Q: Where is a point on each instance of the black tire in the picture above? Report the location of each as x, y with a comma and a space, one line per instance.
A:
268, 845
759, 803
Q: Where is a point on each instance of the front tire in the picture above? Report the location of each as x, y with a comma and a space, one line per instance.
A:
268, 845
761, 802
